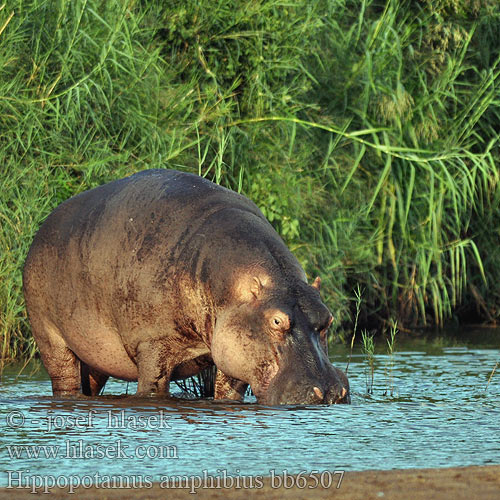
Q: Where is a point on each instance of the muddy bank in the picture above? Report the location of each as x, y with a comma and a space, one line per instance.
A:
478, 482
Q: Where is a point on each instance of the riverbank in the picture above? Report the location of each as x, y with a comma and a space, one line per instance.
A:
478, 482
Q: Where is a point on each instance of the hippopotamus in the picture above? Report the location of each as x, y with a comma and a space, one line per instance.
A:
162, 274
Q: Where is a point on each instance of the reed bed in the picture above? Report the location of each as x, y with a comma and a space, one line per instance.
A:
367, 131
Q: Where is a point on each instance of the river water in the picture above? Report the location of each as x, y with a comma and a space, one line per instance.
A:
429, 405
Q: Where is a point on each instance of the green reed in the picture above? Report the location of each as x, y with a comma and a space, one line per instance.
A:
366, 131
391, 343
368, 347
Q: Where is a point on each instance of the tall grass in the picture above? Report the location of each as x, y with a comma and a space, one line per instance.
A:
367, 132
414, 169
368, 347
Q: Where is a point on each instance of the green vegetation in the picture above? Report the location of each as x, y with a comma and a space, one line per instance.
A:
391, 341
368, 348
491, 376
366, 130
358, 300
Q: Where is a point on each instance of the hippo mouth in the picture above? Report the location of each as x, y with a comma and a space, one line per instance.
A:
286, 388
313, 395
266, 374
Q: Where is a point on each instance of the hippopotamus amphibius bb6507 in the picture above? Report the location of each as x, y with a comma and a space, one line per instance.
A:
159, 275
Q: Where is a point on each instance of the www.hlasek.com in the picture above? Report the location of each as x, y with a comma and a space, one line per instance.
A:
38, 483
79, 449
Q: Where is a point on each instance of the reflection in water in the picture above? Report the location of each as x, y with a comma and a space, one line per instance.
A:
429, 408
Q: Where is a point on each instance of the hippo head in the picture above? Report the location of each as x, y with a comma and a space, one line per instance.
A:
272, 335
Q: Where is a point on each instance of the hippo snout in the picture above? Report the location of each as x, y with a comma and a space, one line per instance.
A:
338, 391
288, 390
312, 394
335, 395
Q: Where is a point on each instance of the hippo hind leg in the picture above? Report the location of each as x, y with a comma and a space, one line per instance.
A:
59, 360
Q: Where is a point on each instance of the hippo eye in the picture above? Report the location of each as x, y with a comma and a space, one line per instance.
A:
279, 321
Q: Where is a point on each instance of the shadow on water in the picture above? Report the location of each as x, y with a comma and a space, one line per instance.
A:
430, 406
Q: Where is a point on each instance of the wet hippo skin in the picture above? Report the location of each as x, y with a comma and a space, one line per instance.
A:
159, 275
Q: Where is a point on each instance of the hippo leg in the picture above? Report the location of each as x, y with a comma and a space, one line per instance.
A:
155, 366
229, 388
92, 380
59, 360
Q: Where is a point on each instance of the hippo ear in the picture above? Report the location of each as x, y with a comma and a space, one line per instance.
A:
249, 288
256, 287
317, 283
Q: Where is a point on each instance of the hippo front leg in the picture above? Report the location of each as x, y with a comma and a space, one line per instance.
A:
228, 387
154, 367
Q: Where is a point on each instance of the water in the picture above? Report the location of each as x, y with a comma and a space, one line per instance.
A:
431, 406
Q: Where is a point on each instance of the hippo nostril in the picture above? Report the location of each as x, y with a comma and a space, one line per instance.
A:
318, 393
